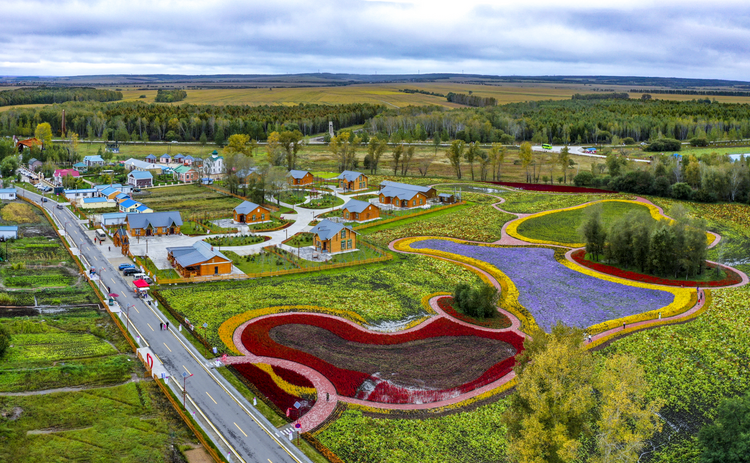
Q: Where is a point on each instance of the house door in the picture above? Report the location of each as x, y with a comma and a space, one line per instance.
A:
242, 218
171, 231
148, 232
325, 245
216, 270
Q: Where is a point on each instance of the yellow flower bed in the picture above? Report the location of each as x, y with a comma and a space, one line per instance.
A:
289, 388
512, 229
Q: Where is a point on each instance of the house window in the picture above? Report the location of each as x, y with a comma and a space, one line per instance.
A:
346, 215
253, 218
263, 217
343, 234
349, 244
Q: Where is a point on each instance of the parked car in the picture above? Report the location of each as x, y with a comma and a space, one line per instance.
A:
44, 200
148, 280
124, 266
130, 271
139, 275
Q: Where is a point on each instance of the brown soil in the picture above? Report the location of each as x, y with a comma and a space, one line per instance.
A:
440, 363
198, 455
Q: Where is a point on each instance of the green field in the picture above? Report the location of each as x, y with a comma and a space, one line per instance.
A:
562, 227
193, 201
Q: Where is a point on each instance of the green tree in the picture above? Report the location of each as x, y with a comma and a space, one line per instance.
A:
43, 133
203, 139
375, 149
219, 136
238, 144
566, 398
497, 156
593, 232
5, 339
563, 158
471, 155
727, 439
398, 151
292, 142
526, 157
454, 154
8, 166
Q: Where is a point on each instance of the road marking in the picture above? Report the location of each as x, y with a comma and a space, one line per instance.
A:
136, 309
211, 397
269, 461
149, 325
187, 370
165, 345
243, 432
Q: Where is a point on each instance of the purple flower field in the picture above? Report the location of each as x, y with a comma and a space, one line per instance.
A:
552, 292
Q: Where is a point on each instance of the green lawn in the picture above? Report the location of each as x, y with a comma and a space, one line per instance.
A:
193, 201
323, 202
562, 227
258, 263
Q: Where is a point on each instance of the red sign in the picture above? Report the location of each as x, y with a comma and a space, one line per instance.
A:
150, 361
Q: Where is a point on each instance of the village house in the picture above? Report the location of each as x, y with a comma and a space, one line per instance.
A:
140, 179
129, 206
34, 164
185, 174
352, 181
154, 223
28, 143
198, 260
429, 192
59, 174
143, 209
245, 176
359, 211
165, 158
112, 219
402, 198
137, 164
446, 198
8, 232
333, 237
121, 240
73, 195
151, 159
81, 167
188, 160
94, 203
93, 161
299, 178
178, 158
7, 194
248, 212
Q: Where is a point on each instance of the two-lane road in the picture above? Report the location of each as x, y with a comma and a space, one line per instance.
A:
241, 429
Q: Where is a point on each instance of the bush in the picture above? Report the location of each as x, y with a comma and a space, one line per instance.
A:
699, 141
628, 141
475, 302
665, 144
660, 187
705, 196
681, 191
584, 178
4, 340
728, 439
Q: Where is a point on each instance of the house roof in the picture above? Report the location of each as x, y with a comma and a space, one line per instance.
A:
108, 191
142, 164
445, 195
155, 219
183, 169
93, 158
178, 156
128, 203
9, 228
405, 186
104, 187
64, 172
354, 205
29, 142
113, 215
297, 173
7, 190
121, 196
349, 175
401, 193
139, 174
188, 158
214, 152
242, 173
199, 252
77, 164
327, 229
94, 200
165, 155
33, 160
142, 208
81, 191
245, 207
151, 156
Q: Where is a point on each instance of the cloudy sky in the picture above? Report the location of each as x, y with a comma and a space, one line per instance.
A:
684, 38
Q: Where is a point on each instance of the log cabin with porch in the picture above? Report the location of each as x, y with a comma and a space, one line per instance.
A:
299, 178
333, 238
199, 260
248, 212
352, 181
405, 199
154, 223
359, 211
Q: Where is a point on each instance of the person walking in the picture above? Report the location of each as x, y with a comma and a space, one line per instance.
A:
167, 326
161, 326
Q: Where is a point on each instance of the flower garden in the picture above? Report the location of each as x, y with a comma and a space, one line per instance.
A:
370, 335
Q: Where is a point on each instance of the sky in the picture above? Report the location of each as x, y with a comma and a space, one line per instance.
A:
686, 38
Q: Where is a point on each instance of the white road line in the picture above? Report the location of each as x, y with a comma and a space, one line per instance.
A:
209, 395
238, 427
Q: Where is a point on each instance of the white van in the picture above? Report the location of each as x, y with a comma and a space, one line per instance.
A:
100, 234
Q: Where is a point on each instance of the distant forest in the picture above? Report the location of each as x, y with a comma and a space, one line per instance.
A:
170, 96
51, 95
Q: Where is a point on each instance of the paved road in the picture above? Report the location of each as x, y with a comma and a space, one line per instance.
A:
244, 431
578, 151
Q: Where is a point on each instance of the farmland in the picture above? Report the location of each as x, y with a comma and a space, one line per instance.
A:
195, 201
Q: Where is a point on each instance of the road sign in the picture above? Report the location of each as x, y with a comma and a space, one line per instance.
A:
297, 405
297, 425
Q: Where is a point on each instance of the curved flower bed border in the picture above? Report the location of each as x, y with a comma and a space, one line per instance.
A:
512, 227
491, 323
683, 300
579, 257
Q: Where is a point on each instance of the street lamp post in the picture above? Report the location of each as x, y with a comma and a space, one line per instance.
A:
185, 376
127, 315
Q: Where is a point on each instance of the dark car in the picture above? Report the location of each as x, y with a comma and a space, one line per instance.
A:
124, 266
44, 200
130, 271
59, 206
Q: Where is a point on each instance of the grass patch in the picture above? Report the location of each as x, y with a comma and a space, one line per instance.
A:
323, 202
195, 202
235, 240
531, 203
262, 262
168, 273
300, 240
562, 227
203, 227
292, 196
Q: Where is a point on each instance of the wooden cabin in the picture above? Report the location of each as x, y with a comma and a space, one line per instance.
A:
199, 260
359, 211
333, 237
248, 212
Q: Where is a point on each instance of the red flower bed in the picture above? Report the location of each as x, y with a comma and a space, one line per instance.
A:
499, 321
579, 256
257, 340
552, 188
267, 386
292, 377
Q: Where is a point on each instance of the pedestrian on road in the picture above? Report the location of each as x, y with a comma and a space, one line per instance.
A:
623, 326
589, 339
167, 328
161, 326
109, 248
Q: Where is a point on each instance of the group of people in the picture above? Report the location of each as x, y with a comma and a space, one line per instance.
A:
164, 326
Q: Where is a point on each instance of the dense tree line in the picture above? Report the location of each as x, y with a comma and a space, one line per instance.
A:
471, 100
170, 96
575, 121
708, 179
140, 121
601, 96
693, 92
637, 241
423, 92
51, 95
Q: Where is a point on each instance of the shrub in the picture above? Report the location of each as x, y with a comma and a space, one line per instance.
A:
628, 141
4, 340
699, 141
660, 187
728, 439
19, 213
584, 178
475, 302
705, 196
681, 191
665, 144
